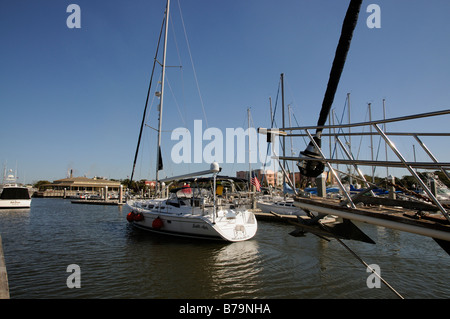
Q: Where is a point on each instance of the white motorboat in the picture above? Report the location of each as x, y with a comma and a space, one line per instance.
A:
280, 206
193, 212
14, 195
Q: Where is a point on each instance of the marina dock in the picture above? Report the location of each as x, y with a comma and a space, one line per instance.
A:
4, 288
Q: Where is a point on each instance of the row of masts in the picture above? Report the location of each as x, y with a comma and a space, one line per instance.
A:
376, 125
331, 127
333, 134
379, 128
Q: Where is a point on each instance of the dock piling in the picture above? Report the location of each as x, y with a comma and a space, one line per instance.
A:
4, 288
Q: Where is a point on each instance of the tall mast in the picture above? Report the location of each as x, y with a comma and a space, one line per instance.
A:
292, 147
275, 174
249, 162
158, 153
371, 141
385, 144
349, 138
284, 137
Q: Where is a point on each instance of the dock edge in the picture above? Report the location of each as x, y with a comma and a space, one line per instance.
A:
4, 288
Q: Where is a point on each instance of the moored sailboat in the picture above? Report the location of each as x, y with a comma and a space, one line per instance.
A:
195, 213
187, 212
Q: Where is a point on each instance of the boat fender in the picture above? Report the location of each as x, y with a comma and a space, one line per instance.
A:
157, 223
138, 217
130, 216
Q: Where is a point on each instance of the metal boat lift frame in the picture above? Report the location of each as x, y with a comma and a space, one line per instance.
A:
348, 209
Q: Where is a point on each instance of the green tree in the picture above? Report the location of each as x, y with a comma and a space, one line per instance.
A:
40, 183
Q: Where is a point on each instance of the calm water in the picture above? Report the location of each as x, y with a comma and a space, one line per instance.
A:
118, 261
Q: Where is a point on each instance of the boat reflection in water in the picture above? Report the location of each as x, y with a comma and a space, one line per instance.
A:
235, 272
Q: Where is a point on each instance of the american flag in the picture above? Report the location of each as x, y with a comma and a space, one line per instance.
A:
256, 182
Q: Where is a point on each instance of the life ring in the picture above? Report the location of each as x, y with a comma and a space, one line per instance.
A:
157, 223
130, 216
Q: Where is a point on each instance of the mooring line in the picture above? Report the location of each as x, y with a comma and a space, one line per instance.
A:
373, 271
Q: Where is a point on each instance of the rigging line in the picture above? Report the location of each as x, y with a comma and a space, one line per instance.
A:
272, 122
361, 138
298, 124
276, 104
257, 144
340, 129
181, 64
176, 42
155, 129
378, 152
192, 62
234, 162
148, 95
290, 89
370, 268
147, 120
176, 102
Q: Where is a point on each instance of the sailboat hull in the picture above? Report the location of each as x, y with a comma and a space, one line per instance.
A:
229, 225
282, 208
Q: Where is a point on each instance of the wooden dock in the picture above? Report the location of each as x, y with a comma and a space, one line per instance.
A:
410, 219
4, 288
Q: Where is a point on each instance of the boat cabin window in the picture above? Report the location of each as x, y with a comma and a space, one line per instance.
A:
173, 202
15, 193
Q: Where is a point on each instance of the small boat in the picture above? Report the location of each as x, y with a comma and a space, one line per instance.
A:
280, 206
14, 195
187, 212
194, 213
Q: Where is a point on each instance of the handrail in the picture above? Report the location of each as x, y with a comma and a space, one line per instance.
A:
420, 165
395, 119
343, 133
410, 166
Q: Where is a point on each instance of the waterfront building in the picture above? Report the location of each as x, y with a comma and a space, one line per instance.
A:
267, 177
73, 186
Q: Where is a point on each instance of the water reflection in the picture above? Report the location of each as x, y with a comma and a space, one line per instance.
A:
119, 261
18, 214
235, 270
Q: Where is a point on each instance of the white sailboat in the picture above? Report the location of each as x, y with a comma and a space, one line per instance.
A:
194, 213
279, 205
185, 213
14, 195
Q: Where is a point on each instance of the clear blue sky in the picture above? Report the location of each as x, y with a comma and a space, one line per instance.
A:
73, 98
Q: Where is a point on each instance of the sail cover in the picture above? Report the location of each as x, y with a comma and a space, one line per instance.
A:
314, 168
